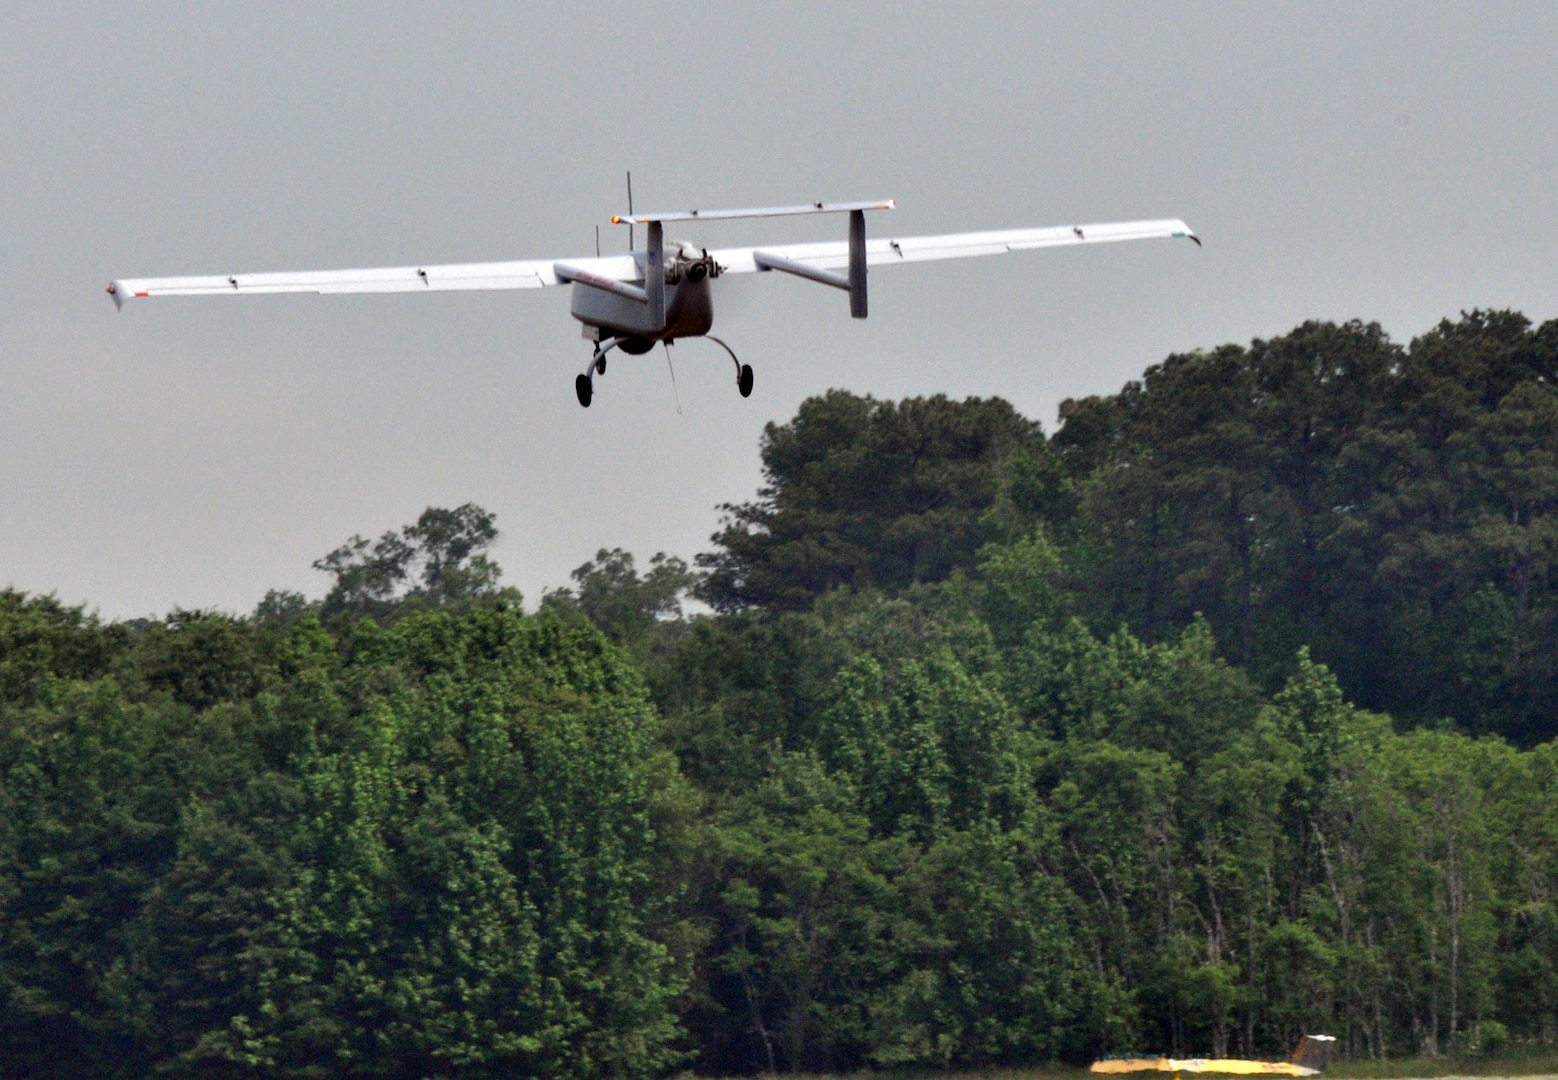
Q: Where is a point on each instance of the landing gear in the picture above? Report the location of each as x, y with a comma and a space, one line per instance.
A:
743, 371
584, 385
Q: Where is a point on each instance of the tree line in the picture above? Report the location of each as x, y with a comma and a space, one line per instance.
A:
1221, 715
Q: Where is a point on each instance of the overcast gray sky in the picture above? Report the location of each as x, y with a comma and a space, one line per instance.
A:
1395, 163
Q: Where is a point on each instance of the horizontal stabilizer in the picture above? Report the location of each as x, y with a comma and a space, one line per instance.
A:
767, 211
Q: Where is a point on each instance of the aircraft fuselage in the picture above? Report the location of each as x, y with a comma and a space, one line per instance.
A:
689, 311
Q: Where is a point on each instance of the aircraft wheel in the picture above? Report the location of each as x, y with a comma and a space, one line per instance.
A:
744, 380
600, 364
583, 388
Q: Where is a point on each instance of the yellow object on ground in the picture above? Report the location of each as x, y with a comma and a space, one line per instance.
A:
1212, 1065
1311, 1056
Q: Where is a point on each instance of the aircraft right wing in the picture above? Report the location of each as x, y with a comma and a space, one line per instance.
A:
834, 255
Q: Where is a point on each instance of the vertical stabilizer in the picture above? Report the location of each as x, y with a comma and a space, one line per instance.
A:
1314, 1052
654, 276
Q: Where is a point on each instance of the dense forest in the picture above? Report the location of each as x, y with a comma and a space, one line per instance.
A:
1225, 713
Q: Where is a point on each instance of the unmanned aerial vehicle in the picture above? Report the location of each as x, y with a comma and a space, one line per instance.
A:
663, 291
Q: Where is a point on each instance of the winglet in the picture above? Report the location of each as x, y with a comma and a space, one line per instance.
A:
118, 294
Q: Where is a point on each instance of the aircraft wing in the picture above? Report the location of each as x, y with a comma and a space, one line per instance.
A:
604, 270
532, 274
887, 252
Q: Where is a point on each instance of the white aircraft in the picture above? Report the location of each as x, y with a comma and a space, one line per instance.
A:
662, 293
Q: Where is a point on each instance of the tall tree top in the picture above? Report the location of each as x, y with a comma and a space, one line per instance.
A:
860, 492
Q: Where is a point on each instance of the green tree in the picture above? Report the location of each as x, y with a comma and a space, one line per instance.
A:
91, 822
1389, 508
992, 973
628, 608
452, 547
473, 850
859, 492
1210, 486
438, 562
43, 642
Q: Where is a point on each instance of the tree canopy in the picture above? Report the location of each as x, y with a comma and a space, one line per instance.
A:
866, 494
439, 562
1224, 715
1393, 509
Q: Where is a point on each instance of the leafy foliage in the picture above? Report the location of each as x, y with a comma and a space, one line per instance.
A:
1390, 508
439, 562
866, 494
415, 852
997, 749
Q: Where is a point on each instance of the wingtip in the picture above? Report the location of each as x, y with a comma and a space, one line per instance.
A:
116, 293
1194, 237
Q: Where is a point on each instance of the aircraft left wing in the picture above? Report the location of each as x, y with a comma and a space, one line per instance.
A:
532, 274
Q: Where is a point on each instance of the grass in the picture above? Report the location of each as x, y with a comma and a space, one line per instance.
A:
1513, 1064
1031, 1072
